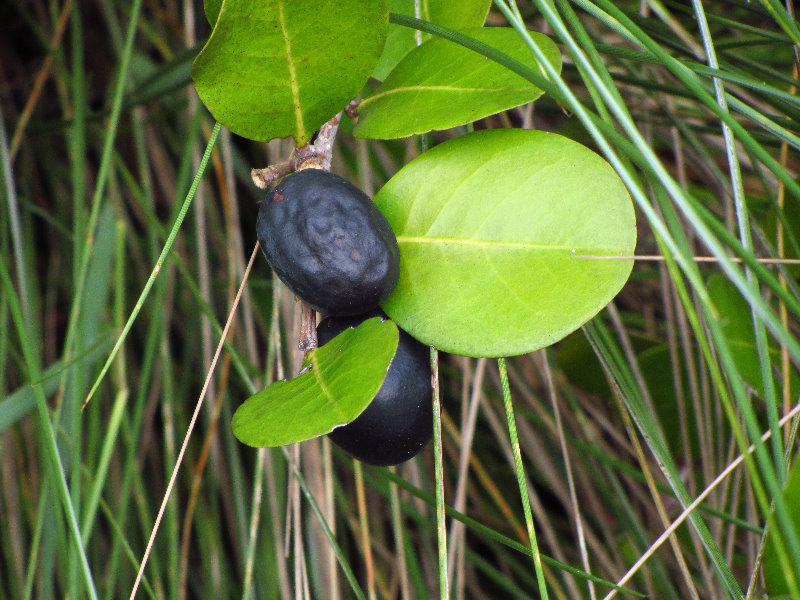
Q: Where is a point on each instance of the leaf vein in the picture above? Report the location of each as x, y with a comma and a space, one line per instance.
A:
510, 288
442, 88
298, 115
465, 180
479, 243
332, 401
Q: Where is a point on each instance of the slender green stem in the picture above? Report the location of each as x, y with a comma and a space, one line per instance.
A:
104, 170
746, 239
32, 363
441, 525
14, 218
489, 534
743, 222
159, 263
36, 541
118, 411
521, 479
255, 518
783, 18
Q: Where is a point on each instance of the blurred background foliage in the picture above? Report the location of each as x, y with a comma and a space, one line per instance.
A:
621, 425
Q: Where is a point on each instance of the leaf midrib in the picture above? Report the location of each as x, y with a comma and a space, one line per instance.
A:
298, 114
317, 371
402, 239
445, 88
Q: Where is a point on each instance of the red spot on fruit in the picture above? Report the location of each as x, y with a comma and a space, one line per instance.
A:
277, 197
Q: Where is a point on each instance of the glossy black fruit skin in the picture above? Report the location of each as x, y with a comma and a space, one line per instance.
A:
328, 243
398, 423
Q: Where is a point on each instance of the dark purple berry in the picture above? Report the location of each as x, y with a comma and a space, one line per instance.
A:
398, 423
328, 242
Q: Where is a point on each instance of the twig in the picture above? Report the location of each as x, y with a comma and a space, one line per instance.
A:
308, 330
352, 109
263, 177
318, 155
311, 156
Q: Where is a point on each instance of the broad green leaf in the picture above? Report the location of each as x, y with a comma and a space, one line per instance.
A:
211, 8
775, 576
495, 229
453, 15
735, 316
736, 320
278, 68
344, 376
579, 363
399, 41
658, 369
442, 84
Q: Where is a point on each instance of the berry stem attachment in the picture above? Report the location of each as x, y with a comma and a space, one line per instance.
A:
317, 156
308, 329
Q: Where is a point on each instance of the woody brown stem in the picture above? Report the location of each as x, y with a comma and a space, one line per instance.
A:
311, 156
317, 156
308, 329
262, 178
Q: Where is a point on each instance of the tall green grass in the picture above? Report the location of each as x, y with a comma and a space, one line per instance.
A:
643, 456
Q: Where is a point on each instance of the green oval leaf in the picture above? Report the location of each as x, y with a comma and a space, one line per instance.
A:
453, 15
211, 8
736, 320
278, 68
344, 376
442, 84
494, 229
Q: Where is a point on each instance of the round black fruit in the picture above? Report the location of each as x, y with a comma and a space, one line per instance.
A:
398, 423
328, 243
